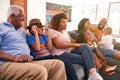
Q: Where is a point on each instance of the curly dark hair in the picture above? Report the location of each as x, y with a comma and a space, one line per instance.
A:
81, 25
80, 37
54, 24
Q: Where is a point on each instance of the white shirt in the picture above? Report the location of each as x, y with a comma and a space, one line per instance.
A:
106, 42
63, 37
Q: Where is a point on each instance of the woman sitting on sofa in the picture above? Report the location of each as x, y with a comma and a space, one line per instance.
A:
63, 44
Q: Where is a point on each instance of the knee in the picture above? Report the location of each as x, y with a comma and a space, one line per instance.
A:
59, 63
38, 72
66, 61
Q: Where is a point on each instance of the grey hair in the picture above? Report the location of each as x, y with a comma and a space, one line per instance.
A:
14, 9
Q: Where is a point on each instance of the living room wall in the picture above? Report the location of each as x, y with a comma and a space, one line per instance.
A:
37, 9
4, 4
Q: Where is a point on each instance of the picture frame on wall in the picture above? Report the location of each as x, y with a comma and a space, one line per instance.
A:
52, 9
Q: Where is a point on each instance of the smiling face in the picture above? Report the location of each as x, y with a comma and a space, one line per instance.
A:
87, 25
84, 24
87, 36
84, 36
102, 23
20, 19
40, 30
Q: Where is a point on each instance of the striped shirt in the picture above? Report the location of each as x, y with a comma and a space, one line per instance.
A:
43, 46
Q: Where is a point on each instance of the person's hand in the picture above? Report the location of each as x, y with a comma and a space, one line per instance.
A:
79, 44
47, 31
23, 58
34, 29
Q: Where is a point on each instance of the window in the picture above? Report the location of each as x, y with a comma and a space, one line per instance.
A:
114, 17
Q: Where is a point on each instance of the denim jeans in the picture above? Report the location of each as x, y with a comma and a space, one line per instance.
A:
70, 72
83, 56
107, 53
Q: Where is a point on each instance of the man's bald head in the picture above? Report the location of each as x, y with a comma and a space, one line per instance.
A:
102, 23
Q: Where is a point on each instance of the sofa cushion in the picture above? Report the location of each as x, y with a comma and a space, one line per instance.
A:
79, 71
115, 76
73, 34
112, 61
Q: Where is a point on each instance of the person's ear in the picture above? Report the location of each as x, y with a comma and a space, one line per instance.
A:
11, 17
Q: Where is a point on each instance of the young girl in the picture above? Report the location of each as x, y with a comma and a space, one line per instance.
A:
85, 36
41, 45
107, 39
